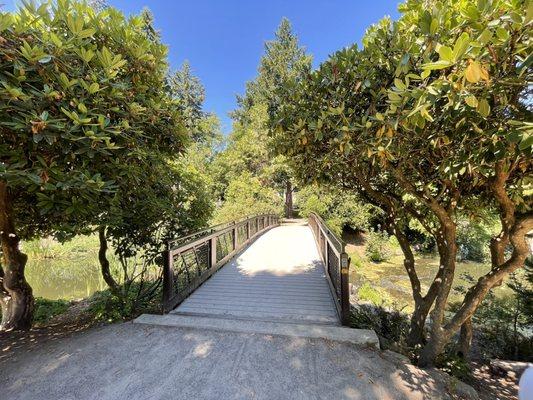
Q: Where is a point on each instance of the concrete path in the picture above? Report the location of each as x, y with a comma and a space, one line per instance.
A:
141, 362
279, 277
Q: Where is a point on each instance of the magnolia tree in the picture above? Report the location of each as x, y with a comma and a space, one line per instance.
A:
430, 121
82, 108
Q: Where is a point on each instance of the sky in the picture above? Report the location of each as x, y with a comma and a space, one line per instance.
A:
223, 40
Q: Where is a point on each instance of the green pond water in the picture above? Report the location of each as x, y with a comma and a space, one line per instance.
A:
69, 279
390, 278
64, 271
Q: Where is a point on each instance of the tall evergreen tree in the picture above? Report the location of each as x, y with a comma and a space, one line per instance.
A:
190, 93
284, 61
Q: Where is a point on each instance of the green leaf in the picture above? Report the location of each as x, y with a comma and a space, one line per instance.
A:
94, 87
483, 107
445, 53
471, 101
461, 46
526, 143
86, 33
434, 26
441, 64
399, 84
5, 21
485, 37
502, 34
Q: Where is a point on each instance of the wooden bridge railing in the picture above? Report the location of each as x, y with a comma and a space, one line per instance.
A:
336, 263
190, 260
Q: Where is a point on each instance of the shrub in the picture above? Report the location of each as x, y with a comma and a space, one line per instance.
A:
340, 209
472, 239
502, 324
246, 195
378, 246
108, 307
375, 296
46, 309
454, 365
391, 325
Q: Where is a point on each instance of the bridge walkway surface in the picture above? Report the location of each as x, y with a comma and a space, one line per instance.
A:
279, 277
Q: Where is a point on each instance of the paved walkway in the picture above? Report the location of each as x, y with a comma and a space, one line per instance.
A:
279, 278
142, 362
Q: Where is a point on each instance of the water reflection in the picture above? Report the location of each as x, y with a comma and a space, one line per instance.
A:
64, 279
64, 271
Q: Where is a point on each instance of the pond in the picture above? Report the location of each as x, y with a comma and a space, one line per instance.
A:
390, 280
64, 271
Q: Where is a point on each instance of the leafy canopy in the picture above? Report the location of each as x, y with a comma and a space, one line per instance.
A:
82, 106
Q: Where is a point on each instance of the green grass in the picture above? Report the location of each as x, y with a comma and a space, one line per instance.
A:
374, 295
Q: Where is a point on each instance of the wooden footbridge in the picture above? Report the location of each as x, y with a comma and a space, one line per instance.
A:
260, 275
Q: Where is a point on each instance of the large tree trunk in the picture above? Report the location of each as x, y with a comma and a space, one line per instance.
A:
465, 339
16, 296
104, 263
417, 325
438, 337
288, 200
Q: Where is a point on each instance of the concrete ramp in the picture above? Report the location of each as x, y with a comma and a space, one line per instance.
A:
278, 278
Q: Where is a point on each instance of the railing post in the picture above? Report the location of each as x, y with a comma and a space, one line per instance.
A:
345, 288
326, 255
168, 279
213, 252
234, 237
248, 230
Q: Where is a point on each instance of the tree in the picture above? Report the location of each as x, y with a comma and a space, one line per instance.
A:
339, 208
168, 200
247, 149
171, 198
247, 193
190, 94
81, 101
429, 121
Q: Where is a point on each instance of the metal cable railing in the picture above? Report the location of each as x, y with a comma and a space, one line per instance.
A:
336, 263
191, 260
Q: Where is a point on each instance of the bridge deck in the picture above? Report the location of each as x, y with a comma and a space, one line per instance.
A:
279, 277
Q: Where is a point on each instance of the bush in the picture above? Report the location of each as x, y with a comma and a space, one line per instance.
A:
378, 246
107, 307
454, 365
340, 209
46, 309
245, 196
472, 239
391, 326
502, 324
375, 296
